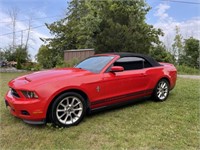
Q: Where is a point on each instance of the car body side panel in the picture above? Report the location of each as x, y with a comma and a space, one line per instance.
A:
116, 86
119, 85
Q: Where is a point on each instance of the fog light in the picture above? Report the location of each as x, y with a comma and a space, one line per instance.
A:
24, 112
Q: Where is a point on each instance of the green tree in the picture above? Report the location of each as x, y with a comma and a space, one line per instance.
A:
177, 46
160, 54
191, 54
78, 29
123, 27
19, 54
105, 26
8, 53
48, 57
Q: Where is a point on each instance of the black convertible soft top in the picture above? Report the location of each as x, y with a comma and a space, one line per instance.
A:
152, 61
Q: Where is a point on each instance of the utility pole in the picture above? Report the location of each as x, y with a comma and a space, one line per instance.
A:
13, 16
28, 34
22, 38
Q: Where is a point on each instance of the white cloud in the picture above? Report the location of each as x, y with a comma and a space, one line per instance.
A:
168, 24
39, 13
161, 11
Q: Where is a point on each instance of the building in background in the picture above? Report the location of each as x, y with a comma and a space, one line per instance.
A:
79, 54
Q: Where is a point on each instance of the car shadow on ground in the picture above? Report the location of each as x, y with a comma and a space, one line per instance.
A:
98, 112
117, 107
105, 110
130, 103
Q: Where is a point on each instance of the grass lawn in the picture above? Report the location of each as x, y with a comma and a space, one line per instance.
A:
173, 124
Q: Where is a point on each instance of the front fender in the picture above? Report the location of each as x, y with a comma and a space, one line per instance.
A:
57, 91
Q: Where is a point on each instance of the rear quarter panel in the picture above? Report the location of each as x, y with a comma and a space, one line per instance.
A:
167, 71
171, 72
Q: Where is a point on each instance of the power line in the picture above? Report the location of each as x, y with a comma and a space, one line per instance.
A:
23, 30
186, 2
31, 19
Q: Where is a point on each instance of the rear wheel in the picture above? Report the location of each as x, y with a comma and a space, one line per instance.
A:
161, 90
68, 109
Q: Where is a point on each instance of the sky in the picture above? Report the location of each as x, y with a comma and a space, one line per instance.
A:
164, 14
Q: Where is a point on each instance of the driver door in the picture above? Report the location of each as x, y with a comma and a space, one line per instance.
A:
128, 84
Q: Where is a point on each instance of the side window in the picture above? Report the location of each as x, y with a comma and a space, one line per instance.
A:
147, 64
132, 63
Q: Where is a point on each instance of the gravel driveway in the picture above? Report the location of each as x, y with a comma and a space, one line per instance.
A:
190, 76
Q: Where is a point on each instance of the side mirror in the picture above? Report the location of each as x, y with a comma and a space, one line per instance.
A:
117, 69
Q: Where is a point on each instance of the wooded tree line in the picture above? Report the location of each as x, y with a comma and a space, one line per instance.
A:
183, 52
186, 51
106, 26
111, 26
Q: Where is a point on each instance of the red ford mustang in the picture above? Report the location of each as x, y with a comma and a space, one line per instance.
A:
64, 95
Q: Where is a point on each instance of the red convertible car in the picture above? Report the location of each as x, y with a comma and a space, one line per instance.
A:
63, 96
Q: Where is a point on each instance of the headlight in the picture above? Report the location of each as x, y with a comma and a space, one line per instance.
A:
30, 94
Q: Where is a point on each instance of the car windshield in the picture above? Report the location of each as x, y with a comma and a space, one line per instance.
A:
95, 64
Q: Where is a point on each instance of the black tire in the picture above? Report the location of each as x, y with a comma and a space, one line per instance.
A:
68, 109
161, 90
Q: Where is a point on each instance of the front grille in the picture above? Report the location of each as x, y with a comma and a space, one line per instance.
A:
14, 93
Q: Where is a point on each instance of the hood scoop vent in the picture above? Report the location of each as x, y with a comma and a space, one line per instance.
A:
27, 79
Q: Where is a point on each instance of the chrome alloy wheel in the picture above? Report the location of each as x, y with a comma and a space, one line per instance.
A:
162, 90
69, 110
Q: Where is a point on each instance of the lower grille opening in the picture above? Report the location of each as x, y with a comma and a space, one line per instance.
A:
24, 112
6, 102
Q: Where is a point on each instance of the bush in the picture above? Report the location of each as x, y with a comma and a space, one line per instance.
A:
36, 67
160, 54
31, 66
19, 66
182, 69
64, 64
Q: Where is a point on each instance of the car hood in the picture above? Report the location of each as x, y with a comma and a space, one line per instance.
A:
56, 74
41, 77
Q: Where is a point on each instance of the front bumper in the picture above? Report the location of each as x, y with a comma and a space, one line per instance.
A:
31, 111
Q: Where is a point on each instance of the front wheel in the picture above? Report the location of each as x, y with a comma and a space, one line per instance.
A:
161, 90
68, 109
